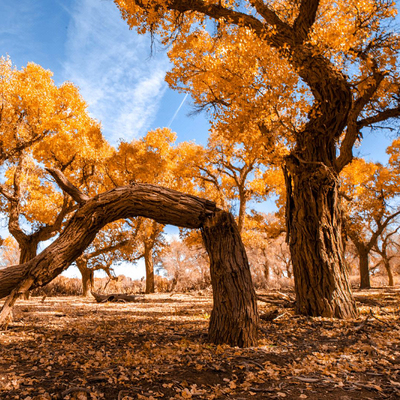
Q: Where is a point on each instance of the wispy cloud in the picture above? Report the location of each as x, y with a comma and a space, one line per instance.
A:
177, 110
112, 65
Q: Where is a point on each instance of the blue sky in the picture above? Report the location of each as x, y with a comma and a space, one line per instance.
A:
122, 80
87, 42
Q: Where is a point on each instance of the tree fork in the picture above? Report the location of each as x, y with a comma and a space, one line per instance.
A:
234, 298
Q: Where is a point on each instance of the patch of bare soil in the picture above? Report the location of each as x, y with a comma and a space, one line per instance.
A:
74, 348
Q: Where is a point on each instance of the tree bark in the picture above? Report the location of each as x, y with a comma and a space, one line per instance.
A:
389, 272
363, 257
28, 249
87, 276
234, 318
314, 234
148, 260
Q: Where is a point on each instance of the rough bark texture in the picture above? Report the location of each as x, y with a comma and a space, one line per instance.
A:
28, 250
324, 143
164, 205
234, 298
315, 239
234, 319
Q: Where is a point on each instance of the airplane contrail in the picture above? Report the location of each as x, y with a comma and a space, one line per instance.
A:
176, 112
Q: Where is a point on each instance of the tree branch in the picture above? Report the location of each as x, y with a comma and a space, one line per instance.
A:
67, 186
382, 116
305, 19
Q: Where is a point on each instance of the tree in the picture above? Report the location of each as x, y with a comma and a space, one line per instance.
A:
338, 64
115, 243
369, 189
387, 248
231, 172
186, 266
150, 159
28, 197
152, 240
39, 123
32, 107
234, 319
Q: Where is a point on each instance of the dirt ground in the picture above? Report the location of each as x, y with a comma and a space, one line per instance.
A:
75, 348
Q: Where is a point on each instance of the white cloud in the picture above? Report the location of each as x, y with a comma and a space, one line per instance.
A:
113, 66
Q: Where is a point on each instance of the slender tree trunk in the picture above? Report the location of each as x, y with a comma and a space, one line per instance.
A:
148, 260
242, 211
87, 277
266, 270
389, 272
364, 268
234, 318
314, 232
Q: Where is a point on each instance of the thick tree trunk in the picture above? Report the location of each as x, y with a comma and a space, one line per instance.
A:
314, 232
28, 251
148, 261
234, 318
87, 277
363, 259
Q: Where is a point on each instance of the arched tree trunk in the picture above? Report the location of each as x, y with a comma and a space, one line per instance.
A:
233, 311
314, 231
234, 318
148, 261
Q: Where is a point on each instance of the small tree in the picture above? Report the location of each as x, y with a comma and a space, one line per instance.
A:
369, 189
387, 247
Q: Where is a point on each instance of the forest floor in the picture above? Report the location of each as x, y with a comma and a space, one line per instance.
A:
75, 348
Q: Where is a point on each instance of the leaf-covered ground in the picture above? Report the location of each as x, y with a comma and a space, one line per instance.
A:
74, 348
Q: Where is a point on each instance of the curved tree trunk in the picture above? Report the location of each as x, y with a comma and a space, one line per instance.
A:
234, 318
233, 311
314, 232
148, 260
